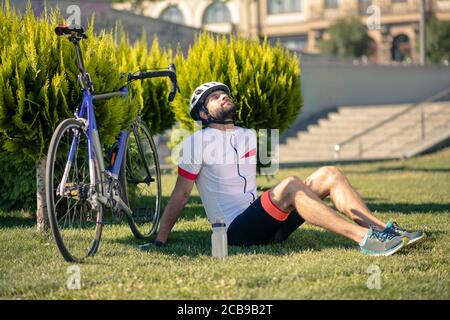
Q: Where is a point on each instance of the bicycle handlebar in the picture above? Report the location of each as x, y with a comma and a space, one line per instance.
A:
173, 91
171, 73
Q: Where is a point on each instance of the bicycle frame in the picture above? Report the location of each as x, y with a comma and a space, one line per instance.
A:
87, 116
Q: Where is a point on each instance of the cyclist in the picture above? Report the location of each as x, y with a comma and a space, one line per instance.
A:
221, 161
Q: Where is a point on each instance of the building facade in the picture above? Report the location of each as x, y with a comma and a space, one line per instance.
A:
301, 24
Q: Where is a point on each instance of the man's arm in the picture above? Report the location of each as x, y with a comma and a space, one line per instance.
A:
178, 199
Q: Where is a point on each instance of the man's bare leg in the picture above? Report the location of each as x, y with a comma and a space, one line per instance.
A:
331, 181
293, 193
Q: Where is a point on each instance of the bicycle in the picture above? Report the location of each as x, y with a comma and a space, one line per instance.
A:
79, 186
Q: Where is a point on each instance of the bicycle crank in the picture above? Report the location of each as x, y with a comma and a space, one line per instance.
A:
121, 205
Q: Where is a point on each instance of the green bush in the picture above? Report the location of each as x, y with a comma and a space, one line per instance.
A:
264, 80
17, 183
152, 93
39, 89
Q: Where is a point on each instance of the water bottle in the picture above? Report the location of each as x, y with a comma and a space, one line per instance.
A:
219, 241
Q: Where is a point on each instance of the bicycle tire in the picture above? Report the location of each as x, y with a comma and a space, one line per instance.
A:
89, 229
139, 166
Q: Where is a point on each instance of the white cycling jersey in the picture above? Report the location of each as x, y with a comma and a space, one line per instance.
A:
223, 165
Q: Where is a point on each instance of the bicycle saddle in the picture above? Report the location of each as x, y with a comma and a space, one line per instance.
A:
73, 30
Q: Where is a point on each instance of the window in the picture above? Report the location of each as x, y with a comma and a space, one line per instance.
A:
217, 12
296, 43
331, 4
401, 48
173, 14
283, 6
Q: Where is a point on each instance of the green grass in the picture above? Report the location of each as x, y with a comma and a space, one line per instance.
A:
312, 264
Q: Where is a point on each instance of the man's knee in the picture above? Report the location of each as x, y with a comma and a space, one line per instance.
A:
330, 173
294, 182
291, 186
283, 195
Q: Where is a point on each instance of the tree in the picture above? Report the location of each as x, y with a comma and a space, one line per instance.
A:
347, 38
438, 40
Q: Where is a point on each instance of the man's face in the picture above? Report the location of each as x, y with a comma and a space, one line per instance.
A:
220, 105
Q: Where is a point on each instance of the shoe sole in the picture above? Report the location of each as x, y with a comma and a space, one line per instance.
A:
404, 242
415, 240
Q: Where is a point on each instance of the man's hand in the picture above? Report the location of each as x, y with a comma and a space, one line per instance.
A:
148, 246
158, 243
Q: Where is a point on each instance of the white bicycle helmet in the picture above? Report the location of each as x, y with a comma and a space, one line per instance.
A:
199, 96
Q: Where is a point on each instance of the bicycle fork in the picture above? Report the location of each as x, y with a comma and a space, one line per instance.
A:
94, 148
62, 184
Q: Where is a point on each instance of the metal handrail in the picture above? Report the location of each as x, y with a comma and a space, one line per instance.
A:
439, 95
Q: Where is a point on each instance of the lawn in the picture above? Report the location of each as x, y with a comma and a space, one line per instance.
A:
312, 264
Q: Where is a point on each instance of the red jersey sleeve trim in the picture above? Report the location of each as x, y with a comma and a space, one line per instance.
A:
186, 174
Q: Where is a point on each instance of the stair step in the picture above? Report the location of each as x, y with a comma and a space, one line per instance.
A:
387, 141
392, 128
391, 108
370, 117
371, 120
372, 110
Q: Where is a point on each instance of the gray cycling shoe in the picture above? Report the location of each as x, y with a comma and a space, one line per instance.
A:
413, 236
382, 243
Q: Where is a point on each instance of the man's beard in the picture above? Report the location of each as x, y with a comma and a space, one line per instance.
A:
226, 112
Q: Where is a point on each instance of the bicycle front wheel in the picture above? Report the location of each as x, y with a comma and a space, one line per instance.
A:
140, 180
75, 216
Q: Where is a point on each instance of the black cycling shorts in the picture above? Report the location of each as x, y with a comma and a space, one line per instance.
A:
262, 223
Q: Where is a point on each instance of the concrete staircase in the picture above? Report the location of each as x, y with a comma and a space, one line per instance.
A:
395, 139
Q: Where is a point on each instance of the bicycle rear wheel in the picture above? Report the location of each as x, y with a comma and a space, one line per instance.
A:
74, 217
140, 180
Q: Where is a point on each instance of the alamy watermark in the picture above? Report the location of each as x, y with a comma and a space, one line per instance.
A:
374, 19
74, 277
74, 13
374, 280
